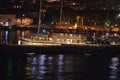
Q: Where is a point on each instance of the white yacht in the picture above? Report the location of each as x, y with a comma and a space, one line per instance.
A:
56, 39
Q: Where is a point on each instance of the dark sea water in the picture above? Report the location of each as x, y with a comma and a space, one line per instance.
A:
66, 64
54, 66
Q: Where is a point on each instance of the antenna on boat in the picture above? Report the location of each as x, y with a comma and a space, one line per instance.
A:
61, 10
39, 17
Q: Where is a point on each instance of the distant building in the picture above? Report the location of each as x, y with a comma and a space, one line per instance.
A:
7, 19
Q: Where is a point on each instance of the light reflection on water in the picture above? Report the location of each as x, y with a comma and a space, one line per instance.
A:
12, 36
70, 67
114, 66
9, 68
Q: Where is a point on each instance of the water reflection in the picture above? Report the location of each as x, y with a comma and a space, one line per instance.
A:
12, 36
60, 67
56, 67
9, 69
6, 37
43, 67
114, 66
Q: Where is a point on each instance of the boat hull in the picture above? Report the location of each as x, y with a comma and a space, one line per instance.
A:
42, 43
49, 43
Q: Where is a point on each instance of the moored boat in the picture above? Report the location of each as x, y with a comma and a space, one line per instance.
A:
58, 39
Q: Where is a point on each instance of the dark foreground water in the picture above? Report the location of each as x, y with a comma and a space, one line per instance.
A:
75, 65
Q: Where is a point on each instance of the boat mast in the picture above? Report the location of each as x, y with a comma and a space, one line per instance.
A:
39, 17
61, 10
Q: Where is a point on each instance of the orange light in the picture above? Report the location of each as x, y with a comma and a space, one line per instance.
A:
115, 29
